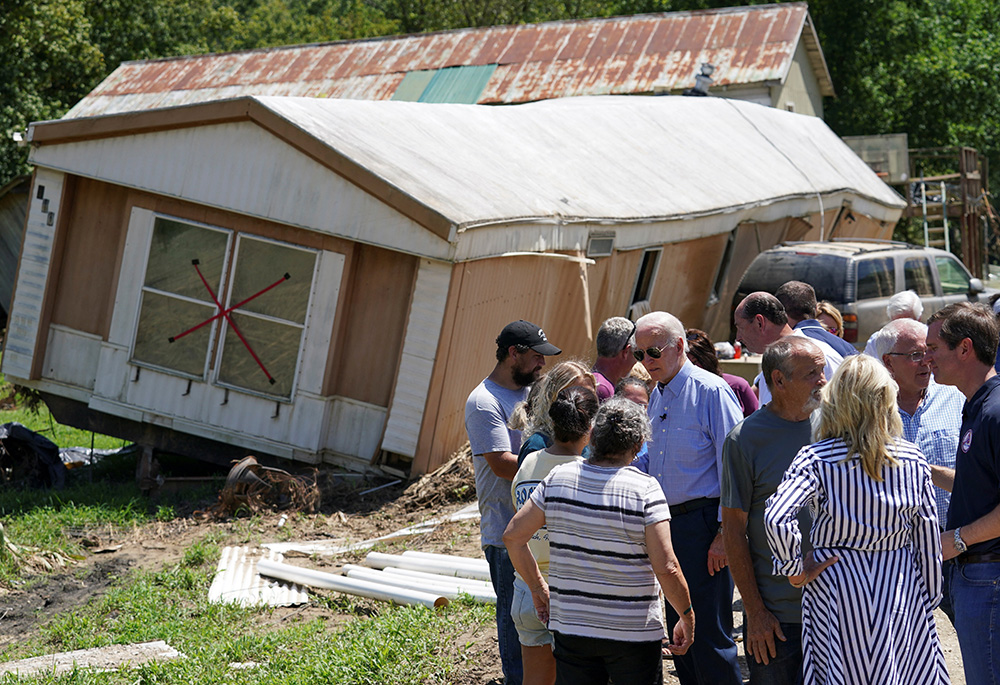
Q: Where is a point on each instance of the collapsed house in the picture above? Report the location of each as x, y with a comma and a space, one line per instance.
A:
322, 280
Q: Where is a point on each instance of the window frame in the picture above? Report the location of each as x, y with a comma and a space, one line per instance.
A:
143, 288
220, 347
217, 335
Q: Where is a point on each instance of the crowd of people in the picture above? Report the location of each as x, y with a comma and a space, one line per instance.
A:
846, 495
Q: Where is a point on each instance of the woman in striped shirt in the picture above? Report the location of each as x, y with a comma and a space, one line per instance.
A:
874, 575
609, 543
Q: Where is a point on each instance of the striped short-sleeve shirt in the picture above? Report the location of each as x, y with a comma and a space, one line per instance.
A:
601, 583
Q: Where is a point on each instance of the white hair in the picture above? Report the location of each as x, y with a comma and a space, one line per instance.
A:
887, 336
906, 305
663, 323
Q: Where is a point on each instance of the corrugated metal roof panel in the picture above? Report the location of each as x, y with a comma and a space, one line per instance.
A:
749, 45
458, 84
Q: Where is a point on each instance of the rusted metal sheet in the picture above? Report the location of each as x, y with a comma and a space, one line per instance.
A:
620, 55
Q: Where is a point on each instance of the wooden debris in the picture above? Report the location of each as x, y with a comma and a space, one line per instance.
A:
108, 658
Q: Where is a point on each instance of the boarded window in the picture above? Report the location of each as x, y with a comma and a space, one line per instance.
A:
260, 325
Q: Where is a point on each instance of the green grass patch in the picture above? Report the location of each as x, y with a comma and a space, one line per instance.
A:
64, 436
396, 645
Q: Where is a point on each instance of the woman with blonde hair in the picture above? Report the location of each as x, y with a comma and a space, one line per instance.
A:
830, 318
873, 578
532, 416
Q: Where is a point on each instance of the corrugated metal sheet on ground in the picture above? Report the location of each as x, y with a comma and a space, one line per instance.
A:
617, 55
328, 547
237, 581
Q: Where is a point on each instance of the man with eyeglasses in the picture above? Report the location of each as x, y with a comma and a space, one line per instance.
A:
614, 354
931, 412
691, 411
961, 344
521, 351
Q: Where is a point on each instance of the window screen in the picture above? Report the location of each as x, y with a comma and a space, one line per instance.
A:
647, 271
917, 276
954, 278
876, 278
176, 299
266, 301
270, 296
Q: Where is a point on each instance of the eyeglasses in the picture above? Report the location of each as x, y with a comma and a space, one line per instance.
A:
628, 340
653, 352
916, 357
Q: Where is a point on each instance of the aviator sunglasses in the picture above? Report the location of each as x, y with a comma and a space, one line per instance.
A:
653, 352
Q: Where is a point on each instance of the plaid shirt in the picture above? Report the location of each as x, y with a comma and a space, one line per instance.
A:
934, 429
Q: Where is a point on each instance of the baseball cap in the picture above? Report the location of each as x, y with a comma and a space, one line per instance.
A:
527, 334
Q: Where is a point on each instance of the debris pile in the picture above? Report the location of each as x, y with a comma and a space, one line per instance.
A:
252, 488
454, 481
31, 558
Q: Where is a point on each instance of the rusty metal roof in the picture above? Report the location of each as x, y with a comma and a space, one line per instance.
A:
621, 55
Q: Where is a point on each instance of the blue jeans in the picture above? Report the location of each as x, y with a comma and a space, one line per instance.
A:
712, 657
502, 576
975, 596
785, 667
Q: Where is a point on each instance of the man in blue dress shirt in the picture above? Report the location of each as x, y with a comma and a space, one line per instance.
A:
691, 411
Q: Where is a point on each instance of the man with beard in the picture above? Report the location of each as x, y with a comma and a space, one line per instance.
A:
521, 351
754, 458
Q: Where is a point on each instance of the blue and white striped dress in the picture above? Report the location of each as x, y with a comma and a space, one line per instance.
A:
869, 618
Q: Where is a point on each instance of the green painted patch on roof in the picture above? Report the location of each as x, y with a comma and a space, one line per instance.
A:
413, 85
461, 85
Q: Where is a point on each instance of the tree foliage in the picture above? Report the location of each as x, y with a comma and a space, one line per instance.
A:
929, 68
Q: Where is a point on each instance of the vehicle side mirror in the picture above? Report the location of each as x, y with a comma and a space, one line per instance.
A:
975, 286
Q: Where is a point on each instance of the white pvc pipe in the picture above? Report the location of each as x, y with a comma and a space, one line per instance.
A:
447, 568
470, 582
449, 590
352, 586
458, 561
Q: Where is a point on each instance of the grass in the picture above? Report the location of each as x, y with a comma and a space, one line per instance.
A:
377, 644
395, 645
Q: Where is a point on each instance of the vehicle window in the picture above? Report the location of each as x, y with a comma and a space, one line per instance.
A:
954, 277
827, 274
917, 276
876, 278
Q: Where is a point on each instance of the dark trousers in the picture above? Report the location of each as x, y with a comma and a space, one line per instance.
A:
592, 661
785, 667
712, 657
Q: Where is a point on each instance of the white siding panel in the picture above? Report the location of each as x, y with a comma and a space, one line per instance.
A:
133, 268
423, 330
71, 357
319, 331
354, 428
112, 372
243, 168
32, 276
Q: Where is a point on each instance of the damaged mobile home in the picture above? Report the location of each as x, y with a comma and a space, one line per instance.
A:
322, 280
